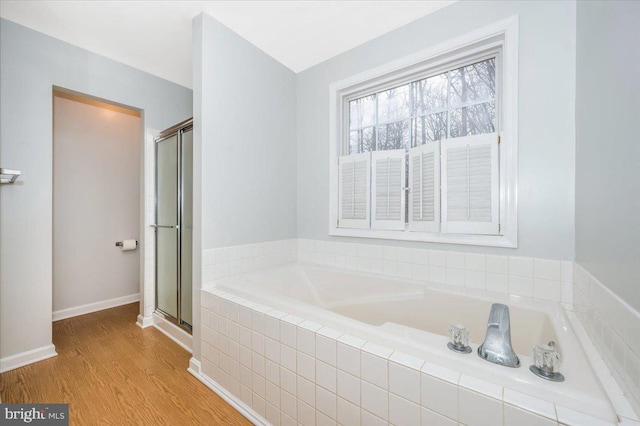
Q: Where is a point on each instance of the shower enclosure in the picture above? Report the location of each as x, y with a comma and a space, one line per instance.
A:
174, 223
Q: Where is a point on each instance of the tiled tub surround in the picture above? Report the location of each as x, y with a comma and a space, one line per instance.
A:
292, 371
540, 279
227, 262
516, 276
614, 328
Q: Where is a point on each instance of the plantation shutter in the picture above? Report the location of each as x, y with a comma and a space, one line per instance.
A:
354, 190
470, 186
388, 194
424, 183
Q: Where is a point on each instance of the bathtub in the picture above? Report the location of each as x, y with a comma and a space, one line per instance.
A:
413, 317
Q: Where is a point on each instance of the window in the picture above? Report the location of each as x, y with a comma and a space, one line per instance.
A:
425, 148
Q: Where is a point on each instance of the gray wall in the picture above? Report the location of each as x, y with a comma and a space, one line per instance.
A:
30, 65
248, 141
546, 117
96, 201
608, 147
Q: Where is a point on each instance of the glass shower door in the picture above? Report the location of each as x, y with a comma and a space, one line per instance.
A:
167, 248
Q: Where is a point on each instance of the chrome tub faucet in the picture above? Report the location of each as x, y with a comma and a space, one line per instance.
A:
497, 347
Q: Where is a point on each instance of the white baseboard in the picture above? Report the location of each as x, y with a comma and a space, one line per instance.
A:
231, 399
173, 332
144, 322
94, 307
29, 357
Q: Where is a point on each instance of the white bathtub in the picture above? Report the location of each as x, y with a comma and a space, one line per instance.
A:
414, 318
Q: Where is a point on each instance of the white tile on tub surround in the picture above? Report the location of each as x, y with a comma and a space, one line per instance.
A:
547, 290
419, 272
348, 413
403, 412
272, 394
521, 266
374, 369
306, 337
529, 403
474, 262
404, 270
481, 386
364, 251
516, 416
497, 264
348, 387
404, 381
326, 349
437, 258
455, 260
306, 366
431, 418
375, 399
439, 396
420, 256
323, 420
455, 277
306, 391
288, 357
520, 286
547, 269
288, 380
273, 415
326, 376
288, 330
566, 272
288, 404
475, 279
479, 410
437, 274
375, 252
369, 419
569, 417
348, 358
403, 254
326, 402
390, 267
497, 283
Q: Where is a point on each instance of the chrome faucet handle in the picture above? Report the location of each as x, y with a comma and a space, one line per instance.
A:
547, 362
459, 336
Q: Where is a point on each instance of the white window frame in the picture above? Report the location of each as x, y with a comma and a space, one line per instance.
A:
501, 35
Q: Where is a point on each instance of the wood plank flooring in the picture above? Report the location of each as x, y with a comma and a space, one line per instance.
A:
112, 372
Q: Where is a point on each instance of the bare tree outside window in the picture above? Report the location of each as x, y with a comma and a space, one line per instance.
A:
456, 103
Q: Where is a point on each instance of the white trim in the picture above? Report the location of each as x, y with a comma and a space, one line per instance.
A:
194, 365
94, 307
148, 235
28, 357
228, 397
456, 48
173, 332
144, 322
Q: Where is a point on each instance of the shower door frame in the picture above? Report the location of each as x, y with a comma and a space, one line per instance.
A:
176, 130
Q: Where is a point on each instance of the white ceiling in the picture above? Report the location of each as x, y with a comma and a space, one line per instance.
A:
155, 36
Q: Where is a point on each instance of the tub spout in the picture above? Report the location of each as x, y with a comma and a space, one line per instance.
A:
496, 347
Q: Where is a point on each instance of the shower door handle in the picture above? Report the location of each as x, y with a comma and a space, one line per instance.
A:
165, 226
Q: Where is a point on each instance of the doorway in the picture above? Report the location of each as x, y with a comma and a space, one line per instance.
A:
96, 204
174, 224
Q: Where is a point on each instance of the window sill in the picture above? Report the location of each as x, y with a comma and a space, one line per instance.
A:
473, 240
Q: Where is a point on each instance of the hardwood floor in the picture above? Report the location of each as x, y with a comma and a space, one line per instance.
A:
112, 372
